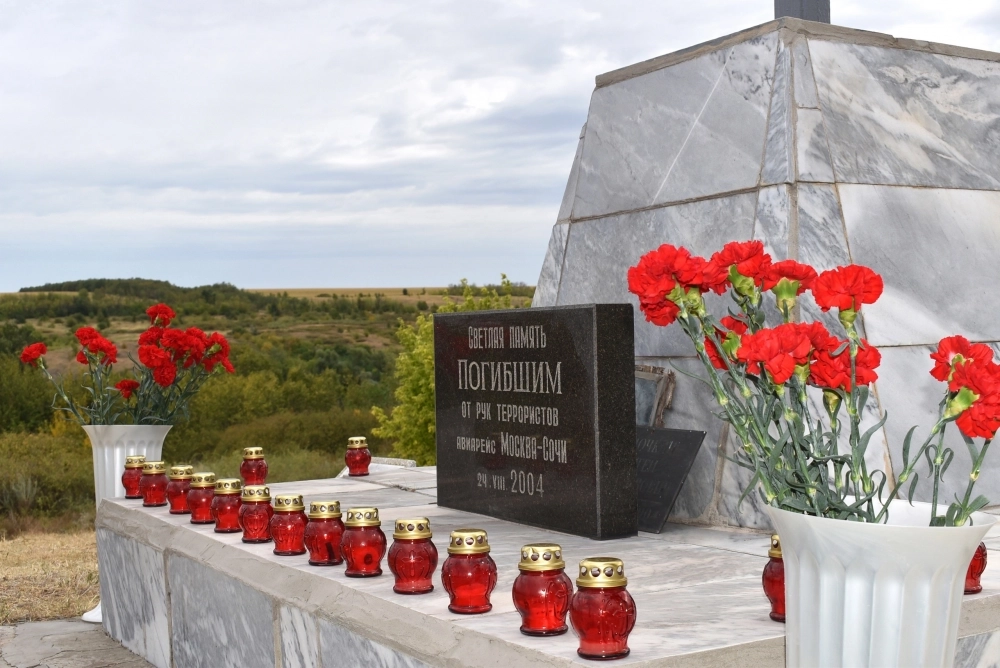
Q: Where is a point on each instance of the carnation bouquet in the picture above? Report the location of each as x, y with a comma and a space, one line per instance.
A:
794, 392
173, 364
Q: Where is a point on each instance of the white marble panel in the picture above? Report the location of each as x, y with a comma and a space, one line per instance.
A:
811, 147
341, 647
635, 130
569, 196
600, 252
979, 651
217, 620
772, 223
911, 396
821, 243
779, 156
805, 83
547, 288
936, 250
299, 638
134, 596
723, 153
899, 117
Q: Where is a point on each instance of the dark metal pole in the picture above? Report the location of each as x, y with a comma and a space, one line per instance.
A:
810, 10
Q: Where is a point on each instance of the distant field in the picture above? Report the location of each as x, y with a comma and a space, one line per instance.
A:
412, 296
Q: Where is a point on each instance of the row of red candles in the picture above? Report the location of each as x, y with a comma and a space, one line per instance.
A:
601, 611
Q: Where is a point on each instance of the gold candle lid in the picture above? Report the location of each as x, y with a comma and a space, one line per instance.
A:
256, 493
602, 572
468, 541
324, 510
355, 442
153, 468
541, 557
182, 472
412, 529
228, 486
203, 479
253, 453
135, 461
775, 550
362, 517
288, 503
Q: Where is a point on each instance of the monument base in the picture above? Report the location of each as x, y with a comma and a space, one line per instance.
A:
180, 595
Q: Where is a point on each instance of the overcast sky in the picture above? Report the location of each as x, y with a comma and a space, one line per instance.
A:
320, 144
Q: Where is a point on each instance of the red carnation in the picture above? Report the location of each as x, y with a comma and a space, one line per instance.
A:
734, 325
31, 353
151, 336
164, 375
777, 350
847, 288
748, 257
161, 315
217, 352
97, 345
86, 334
791, 271
834, 371
982, 417
954, 350
127, 387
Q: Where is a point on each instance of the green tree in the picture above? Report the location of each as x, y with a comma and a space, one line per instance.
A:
410, 425
25, 397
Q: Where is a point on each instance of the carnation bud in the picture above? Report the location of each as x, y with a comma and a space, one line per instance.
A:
960, 402
832, 401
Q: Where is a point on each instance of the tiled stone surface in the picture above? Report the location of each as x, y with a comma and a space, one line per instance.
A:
299, 638
779, 153
566, 208
337, 642
772, 224
979, 651
216, 619
547, 289
812, 150
821, 241
611, 245
134, 596
805, 83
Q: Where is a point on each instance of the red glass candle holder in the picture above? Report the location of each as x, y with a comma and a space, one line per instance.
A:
773, 580
253, 470
357, 456
153, 484
324, 533
255, 514
226, 505
469, 574
178, 488
132, 476
542, 590
363, 543
288, 526
975, 572
200, 497
602, 612
412, 557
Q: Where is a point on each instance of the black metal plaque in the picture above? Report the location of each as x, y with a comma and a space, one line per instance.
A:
663, 459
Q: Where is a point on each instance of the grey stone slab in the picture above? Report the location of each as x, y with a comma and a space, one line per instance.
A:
821, 242
635, 131
65, 643
901, 117
600, 252
812, 151
805, 82
779, 154
134, 596
299, 638
978, 651
773, 221
724, 149
216, 619
569, 196
547, 289
337, 642
936, 250
747, 542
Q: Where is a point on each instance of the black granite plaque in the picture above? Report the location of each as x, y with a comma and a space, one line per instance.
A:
536, 416
664, 457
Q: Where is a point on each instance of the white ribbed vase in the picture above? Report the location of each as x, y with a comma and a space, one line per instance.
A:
112, 443
874, 594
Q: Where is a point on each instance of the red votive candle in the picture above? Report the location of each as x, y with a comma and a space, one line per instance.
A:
153, 484
324, 533
357, 456
602, 611
132, 476
255, 514
226, 505
177, 489
773, 580
469, 574
542, 590
412, 557
363, 543
288, 526
975, 572
200, 497
253, 470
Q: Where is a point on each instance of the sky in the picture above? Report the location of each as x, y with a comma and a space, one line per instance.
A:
296, 143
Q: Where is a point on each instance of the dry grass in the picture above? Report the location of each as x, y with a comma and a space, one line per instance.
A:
47, 576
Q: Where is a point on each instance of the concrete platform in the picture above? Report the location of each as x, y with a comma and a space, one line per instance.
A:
181, 595
63, 643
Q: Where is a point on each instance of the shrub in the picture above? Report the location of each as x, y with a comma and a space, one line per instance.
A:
59, 468
25, 397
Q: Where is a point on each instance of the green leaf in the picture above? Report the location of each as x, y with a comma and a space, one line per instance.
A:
906, 446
